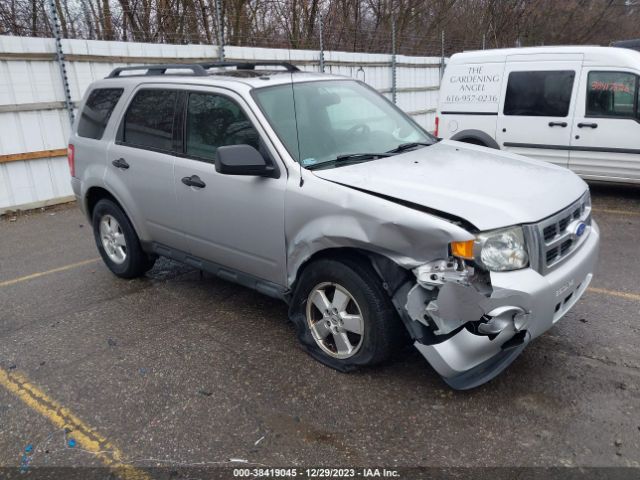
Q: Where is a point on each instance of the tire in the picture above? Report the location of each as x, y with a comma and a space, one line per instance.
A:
473, 141
382, 330
117, 241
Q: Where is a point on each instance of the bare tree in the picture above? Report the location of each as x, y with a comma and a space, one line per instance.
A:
352, 25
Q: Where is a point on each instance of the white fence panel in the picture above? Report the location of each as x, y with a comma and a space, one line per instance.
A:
33, 121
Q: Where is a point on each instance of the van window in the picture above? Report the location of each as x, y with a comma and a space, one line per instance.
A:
214, 121
149, 119
611, 94
539, 94
97, 111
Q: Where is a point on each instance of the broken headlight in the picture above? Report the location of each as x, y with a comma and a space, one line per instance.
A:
502, 250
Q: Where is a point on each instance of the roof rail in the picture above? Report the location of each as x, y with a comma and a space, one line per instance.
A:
251, 65
200, 69
197, 69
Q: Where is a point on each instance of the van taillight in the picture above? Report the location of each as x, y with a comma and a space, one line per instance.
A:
435, 132
71, 158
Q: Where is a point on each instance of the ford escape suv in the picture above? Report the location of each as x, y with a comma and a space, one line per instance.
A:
316, 190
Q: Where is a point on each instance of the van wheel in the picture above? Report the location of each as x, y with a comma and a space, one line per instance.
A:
343, 316
118, 242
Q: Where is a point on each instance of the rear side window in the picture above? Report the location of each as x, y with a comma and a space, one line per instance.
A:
539, 94
97, 111
612, 94
214, 121
149, 119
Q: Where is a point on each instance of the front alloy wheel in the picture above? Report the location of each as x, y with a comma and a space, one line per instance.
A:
335, 320
343, 316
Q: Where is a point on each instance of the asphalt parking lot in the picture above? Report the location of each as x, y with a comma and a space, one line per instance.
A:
179, 369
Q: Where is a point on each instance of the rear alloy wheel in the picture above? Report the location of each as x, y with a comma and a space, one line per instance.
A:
118, 242
113, 240
335, 320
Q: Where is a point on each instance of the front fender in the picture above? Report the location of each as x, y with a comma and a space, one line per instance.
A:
323, 215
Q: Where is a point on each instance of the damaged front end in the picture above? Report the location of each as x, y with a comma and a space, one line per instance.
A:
450, 295
466, 328
470, 298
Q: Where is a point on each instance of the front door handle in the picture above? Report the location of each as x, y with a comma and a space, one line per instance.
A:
193, 181
558, 124
120, 163
587, 125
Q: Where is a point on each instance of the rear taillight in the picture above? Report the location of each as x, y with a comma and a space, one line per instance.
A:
71, 158
435, 132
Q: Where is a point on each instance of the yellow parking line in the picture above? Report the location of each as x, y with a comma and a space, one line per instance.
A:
615, 293
6, 283
61, 417
616, 212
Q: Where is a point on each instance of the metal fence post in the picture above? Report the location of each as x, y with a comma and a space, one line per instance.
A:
393, 60
321, 26
442, 56
220, 31
68, 104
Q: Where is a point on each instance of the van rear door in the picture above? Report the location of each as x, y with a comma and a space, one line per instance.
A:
537, 104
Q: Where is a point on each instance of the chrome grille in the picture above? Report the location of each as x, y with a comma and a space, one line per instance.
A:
556, 237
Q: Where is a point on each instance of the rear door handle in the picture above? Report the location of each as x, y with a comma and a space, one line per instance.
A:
558, 124
120, 163
194, 181
589, 125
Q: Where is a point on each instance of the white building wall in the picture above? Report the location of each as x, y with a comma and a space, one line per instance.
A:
32, 118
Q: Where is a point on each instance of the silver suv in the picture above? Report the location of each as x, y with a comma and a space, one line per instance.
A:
316, 190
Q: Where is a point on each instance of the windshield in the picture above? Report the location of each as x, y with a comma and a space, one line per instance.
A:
335, 118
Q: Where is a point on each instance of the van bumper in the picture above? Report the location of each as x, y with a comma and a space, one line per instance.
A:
467, 360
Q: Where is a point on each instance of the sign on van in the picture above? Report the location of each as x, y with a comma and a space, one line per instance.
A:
472, 88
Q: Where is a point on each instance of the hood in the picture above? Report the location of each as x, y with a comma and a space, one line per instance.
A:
488, 188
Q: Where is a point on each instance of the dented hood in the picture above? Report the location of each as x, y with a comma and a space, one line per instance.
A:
488, 188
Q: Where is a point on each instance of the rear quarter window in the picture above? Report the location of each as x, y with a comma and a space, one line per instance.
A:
97, 111
539, 94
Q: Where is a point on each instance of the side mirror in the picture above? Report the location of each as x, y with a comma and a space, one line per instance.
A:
243, 160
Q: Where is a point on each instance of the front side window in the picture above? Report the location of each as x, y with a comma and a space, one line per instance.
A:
322, 120
539, 94
97, 111
214, 121
612, 94
149, 119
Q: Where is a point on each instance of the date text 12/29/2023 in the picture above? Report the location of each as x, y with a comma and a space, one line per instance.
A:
305, 473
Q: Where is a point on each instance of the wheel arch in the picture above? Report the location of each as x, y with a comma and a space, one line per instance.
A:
97, 193
94, 195
476, 137
389, 272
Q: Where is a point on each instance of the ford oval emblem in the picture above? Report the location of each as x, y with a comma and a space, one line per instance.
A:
580, 229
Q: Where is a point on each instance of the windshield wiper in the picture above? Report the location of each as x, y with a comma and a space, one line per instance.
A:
408, 146
350, 158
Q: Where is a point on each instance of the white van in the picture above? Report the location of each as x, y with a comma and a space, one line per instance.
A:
577, 107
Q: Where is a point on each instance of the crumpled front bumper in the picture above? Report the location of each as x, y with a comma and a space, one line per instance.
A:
467, 360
